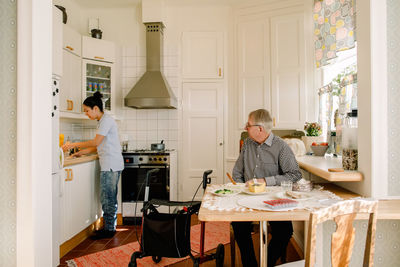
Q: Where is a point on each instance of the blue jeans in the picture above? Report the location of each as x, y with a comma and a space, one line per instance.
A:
108, 197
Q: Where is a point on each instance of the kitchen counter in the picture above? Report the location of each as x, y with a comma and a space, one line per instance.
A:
77, 160
319, 166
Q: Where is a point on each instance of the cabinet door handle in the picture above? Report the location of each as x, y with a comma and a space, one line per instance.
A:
99, 57
219, 72
70, 104
274, 121
70, 48
72, 175
68, 174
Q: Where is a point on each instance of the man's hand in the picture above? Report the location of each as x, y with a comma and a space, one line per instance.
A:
259, 180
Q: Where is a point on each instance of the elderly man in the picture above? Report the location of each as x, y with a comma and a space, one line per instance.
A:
268, 159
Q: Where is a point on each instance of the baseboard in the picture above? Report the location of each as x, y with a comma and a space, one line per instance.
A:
70, 244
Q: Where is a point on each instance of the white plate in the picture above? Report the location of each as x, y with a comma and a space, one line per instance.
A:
258, 204
234, 192
247, 191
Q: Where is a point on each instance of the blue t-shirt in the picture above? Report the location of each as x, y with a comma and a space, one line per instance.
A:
109, 150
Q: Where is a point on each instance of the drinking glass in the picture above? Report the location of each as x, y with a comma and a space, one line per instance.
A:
286, 185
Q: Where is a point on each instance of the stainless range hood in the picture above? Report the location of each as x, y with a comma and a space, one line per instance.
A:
152, 90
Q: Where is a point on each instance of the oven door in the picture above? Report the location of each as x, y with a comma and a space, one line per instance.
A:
133, 183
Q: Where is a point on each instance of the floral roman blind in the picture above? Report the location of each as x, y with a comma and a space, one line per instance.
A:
334, 28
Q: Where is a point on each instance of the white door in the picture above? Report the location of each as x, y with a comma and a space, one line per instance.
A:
202, 136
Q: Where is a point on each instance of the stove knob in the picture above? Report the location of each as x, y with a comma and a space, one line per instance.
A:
149, 159
155, 159
140, 159
160, 159
165, 159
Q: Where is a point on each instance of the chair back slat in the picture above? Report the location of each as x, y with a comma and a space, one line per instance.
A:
343, 240
343, 213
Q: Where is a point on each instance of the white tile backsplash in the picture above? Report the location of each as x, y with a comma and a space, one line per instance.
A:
162, 114
173, 124
152, 125
152, 114
141, 135
142, 125
163, 135
152, 135
163, 124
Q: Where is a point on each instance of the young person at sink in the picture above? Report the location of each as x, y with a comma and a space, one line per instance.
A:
106, 143
270, 160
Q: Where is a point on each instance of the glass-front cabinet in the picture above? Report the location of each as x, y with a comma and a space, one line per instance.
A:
99, 77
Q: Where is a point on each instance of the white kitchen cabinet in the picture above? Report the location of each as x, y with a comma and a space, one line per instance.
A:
72, 40
288, 71
70, 83
98, 49
203, 55
80, 198
99, 76
271, 65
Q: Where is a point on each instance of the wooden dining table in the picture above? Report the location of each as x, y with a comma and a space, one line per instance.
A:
387, 209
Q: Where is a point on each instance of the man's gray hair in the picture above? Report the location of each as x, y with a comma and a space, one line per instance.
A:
262, 118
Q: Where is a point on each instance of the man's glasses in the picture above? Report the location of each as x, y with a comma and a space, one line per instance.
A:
247, 125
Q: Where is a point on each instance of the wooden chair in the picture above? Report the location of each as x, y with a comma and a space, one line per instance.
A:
343, 213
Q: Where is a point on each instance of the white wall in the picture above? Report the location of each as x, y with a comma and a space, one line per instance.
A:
34, 190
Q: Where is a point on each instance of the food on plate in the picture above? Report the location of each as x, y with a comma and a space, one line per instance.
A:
297, 195
281, 203
303, 185
256, 187
224, 191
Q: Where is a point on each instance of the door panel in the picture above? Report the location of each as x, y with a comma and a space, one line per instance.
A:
202, 136
202, 55
288, 71
253, 70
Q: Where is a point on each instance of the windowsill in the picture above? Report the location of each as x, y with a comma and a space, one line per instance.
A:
319, 166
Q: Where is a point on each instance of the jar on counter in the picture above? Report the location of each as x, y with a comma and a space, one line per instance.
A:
349, 141
332, 144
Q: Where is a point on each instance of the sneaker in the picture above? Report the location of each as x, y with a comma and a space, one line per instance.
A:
101, 234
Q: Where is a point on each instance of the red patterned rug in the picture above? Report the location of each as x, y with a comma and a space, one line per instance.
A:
216, 233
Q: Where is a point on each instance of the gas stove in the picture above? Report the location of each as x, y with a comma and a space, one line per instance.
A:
143, 157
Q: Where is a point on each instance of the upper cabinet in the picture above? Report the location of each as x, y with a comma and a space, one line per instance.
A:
288, 71
270, 60
98, 49
98, 70
99, 77
203, 55
70, 84
72, 41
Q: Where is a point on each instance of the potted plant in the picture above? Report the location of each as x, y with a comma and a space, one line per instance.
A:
313, 135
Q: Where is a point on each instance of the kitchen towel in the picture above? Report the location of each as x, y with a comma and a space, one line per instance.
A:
216, 233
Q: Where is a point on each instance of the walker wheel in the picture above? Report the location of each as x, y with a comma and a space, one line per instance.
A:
196, 262
219, 256
156, 259
134, 256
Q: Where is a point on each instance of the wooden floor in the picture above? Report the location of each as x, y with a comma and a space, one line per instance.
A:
127, 234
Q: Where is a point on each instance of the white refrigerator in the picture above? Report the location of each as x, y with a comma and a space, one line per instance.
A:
57, 167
